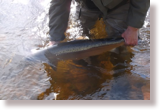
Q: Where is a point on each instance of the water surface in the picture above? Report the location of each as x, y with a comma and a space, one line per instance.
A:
122, 74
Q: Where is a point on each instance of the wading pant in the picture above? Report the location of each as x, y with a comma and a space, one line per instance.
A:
59, 13
116, 20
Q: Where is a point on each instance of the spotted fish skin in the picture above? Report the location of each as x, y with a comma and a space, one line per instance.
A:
74, 48
81, 45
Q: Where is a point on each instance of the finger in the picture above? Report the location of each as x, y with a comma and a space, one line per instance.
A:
129, 43
135, 42
122, 35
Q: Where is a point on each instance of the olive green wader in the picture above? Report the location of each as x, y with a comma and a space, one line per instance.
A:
115, 19
117, 15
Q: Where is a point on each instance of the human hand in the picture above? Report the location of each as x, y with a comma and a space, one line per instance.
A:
131, 36
52, 43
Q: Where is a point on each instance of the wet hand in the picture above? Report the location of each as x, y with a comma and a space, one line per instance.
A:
131, 36
52, 43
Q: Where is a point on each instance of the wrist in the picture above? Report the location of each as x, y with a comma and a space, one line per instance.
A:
132, 28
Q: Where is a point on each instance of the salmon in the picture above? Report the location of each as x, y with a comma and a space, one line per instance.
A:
76, 49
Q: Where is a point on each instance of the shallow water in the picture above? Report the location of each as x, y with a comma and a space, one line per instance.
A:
122, 74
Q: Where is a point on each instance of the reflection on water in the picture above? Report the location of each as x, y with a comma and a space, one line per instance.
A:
121, 74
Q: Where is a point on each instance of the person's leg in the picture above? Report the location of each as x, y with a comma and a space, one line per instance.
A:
116, 22
88, 16
58, 19
115, 25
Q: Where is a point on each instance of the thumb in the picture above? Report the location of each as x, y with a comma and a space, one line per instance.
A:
122, 35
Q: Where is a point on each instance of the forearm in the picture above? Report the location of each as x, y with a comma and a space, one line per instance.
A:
58, 19
137, 12
130, 28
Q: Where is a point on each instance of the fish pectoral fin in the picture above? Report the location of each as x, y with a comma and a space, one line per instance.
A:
53, 64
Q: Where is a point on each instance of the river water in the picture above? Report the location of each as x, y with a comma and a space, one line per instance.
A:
122, 74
